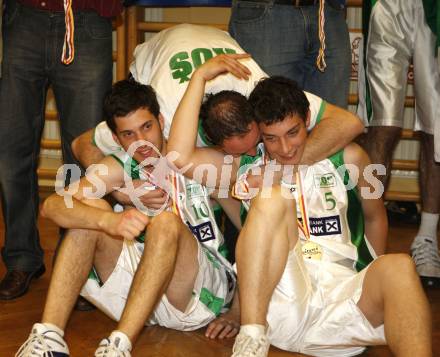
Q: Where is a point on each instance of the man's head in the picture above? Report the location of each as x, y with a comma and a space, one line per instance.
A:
228, 121
281, 110
132, 113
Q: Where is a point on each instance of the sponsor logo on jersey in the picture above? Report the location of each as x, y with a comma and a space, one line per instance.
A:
194, 190
325, 226
203, 232
325, 180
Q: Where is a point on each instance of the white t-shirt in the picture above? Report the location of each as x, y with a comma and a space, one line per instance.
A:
168, 60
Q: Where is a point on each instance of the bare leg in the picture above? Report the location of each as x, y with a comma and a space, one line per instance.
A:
72, 267
429, 175
392, 294
268, 235
424, 248
168, 265
380, 144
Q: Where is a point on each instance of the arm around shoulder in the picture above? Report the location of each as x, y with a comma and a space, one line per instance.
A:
85, 151
337, 128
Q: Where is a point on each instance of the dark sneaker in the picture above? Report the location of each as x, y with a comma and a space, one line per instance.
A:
402, 212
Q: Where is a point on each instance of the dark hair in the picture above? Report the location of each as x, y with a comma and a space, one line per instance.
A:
225, 114
127, 96
275, 98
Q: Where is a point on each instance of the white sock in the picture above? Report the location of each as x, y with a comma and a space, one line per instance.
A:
121, 340
53, 327
253, 330
428, 226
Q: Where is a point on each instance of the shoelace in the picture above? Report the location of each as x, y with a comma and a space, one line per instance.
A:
247, 346
36, 345
109, 350
424, 252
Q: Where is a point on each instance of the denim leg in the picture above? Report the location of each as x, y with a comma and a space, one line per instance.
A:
22, 97
265, 31
333, 83
80, 87
284, 41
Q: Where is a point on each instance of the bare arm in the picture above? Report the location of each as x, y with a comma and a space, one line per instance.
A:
376, 223
231, 206
186, 117
84, 150
337, 128
87, 154
226, 325
71, 210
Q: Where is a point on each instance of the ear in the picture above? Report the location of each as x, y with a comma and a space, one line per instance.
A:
161, 121
115, 138
308, 119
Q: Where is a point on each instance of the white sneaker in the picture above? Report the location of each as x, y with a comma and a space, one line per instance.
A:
425, 255
43, 342
247, 346
117, 345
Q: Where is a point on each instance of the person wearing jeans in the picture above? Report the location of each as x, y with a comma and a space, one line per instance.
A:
283, 37
33, 35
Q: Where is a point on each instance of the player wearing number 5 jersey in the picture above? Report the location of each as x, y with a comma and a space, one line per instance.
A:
313, 281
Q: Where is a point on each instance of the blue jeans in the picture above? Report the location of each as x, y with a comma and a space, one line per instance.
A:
284, 41
33, 43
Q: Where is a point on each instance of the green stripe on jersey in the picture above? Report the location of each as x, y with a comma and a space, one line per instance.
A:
244, 161
321, 111
432, 15
214, 303
367, 6
202, 134
131, 167
93, 137
355, 217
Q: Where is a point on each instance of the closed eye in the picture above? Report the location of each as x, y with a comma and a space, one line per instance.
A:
293, 132
269, 138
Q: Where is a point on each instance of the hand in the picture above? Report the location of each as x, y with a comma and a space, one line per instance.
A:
128, 224
222, 64
152, 199
222, 327
155, 199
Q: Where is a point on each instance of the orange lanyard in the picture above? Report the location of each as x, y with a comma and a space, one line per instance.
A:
304, 225
68, 45
175, 195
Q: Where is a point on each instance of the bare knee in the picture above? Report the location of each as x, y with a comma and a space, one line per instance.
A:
164, 229
393, 267
82, 236
272, 204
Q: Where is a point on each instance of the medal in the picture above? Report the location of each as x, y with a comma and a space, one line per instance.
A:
311, 250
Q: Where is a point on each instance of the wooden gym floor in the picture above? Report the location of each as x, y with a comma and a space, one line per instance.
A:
86, 329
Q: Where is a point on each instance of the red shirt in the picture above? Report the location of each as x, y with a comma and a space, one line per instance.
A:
105, 8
